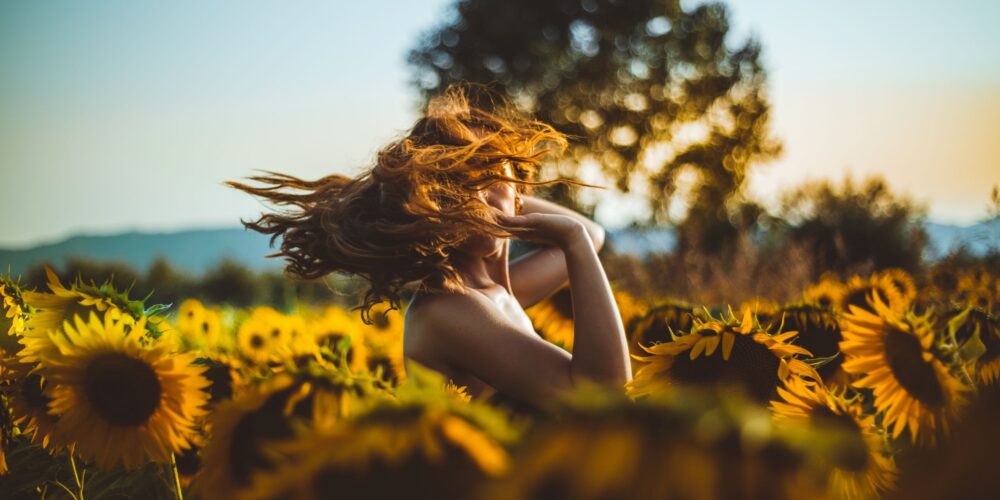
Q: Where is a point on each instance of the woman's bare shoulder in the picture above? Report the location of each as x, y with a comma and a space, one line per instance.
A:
425, 313
430, 309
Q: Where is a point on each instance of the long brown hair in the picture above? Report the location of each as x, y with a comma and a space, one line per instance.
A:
399, 221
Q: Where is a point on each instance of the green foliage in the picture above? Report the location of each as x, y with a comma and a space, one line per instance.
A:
623, 79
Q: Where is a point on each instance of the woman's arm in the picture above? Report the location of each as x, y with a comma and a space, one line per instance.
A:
541, 272
472, 336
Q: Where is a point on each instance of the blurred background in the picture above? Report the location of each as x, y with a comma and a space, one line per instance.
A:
747, 147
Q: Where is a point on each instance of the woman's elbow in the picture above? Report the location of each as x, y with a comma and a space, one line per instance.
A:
597, 235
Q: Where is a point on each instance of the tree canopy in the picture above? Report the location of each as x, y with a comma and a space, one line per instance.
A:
653, 93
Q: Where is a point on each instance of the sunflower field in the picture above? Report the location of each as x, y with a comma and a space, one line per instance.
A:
866, 387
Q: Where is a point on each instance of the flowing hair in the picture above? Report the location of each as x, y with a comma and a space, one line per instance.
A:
399, 221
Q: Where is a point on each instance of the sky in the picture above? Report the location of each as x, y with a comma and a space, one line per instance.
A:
120, 115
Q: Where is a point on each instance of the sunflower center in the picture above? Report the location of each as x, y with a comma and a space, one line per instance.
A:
751, 366
656, 327
375, 362
221, 377
256, 341
820, 334
123, 390
380, 320
905, 357
858, 298
852, 451
33, 392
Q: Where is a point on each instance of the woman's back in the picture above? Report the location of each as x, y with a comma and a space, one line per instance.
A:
419, 340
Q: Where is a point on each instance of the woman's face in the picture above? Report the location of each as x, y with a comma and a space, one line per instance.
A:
503, 197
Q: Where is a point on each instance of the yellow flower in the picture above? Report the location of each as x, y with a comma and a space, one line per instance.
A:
680, 444
394, 449
239, 428
199, 325
261, 333
339, 332
863, 465
51, 310
765, 310
827, 294
903, 283
659, 324
891, 354
862, 292
29, 395
120, 402
724, 351
970, 323
13, 306
553, 318
819, 333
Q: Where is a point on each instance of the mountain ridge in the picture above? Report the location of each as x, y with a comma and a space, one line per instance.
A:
197, 250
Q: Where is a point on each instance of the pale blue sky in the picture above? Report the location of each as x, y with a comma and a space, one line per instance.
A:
118, 115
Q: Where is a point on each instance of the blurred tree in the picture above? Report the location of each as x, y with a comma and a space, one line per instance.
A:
852, 226
168, 285
648, 90
231, 282
120, 274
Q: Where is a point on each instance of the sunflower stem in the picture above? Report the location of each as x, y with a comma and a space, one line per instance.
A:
64, 487
177, 476
76, 476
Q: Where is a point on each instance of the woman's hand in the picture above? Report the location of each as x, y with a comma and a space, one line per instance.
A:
550, 229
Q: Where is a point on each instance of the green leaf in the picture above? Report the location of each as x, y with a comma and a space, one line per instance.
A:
972, 349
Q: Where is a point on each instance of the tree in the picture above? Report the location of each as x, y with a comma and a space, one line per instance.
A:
854, 226
648, 90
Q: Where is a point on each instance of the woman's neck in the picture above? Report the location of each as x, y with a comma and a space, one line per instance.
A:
484, 271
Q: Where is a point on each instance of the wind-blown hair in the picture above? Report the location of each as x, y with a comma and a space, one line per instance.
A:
398, 222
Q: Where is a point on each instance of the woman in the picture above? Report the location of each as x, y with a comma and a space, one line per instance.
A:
437, 212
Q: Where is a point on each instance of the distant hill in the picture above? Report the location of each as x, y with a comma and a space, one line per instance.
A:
977, 238
195, 251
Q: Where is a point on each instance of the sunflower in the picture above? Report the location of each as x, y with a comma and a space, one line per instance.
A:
863, 462
553, 318
14, 306
239, 428
892, 355
660, 323
424, 442
861, 292
819, 333
235, 429
385, 359
765, 310
903, 282
722, 351
199, 325
340, 333
828, 294
300, 346
259, 335
51, 310
119, 402
971, 323
684, 443
29, 396
224, 373
386, 323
